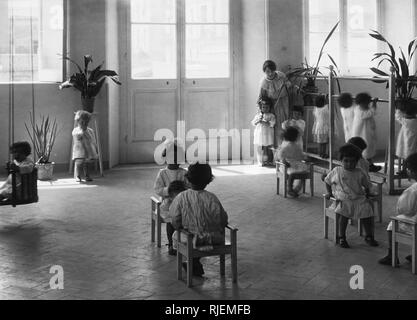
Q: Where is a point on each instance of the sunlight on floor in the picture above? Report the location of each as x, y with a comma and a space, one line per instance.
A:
68, 183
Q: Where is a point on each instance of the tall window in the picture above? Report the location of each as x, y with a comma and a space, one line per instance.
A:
31, 34
351, 46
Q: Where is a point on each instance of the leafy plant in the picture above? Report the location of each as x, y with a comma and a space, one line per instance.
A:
43, 137
405, 81
88, 82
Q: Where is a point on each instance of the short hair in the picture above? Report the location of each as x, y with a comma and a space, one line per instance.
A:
363, 98
358, 142
21, 147
409, 109
349, 150
270, 65
298, 108
291, 134
199, 174
411, 162
320, 101
82, 115
345, 100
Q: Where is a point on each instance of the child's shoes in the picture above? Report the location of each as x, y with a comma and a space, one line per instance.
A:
343, 243
387, 260
371, 241
88, 178
172, 251
78, 179
293, 194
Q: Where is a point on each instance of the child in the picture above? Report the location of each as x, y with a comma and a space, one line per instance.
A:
361, 145
22, 164
200, 212
292, 155
345, 101
166, 188
321, 125
350, 186
297, 122
263, 138
407, 137
84, 148
364, 126
406, 207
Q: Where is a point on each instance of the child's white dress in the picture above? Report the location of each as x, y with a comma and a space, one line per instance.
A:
293, 154
84, 146
25, 166
300, 125
348, 189
347, 116
364, 126
321, 124
264, 130
407, 208
407, 136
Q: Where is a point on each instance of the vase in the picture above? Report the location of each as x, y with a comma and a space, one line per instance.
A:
45, 170
87, 104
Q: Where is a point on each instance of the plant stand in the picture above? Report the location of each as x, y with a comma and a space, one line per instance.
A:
94, 120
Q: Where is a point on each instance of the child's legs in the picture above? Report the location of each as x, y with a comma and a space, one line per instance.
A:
343, 223
367, 225
170, 231
78, 167
259, 153
269, 153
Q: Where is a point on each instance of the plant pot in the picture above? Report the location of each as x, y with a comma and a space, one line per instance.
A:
45, 170
87, 104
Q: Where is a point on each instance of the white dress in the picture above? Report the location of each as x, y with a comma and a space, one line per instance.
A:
300, 125
347, 116
293, 154
321, 124
364, 126
407, 137
407, 208
264, 130
84, 146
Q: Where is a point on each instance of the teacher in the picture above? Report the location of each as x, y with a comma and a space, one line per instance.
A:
274, 85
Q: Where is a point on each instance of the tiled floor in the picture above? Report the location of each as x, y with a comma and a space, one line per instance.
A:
100, 234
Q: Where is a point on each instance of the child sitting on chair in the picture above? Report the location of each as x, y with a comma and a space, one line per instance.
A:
297, 122
406, 208
84, 148
291, 154
167, 186
22, 164
200, 212
350, 186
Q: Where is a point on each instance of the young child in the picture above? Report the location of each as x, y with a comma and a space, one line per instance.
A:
84, 148
361, 145
407, 137
345, 102
364, 126
200, 212
167, 186
350, 186
22, 164
406, 207
297, 122
263, 137
292, 155
321, 125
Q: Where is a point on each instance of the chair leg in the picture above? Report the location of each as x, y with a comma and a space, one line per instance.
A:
394, 245
312, 185
360, 227
158, 231
189, 263
222, 264
304, 185
277, 185
285, 186
336, 228
414, 252
233, 256
179, 265
325, 220
380, 202
152, 228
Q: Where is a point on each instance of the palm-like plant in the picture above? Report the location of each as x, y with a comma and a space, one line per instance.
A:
405, 81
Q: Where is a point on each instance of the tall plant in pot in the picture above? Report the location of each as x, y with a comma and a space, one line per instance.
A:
43, 135
88, 82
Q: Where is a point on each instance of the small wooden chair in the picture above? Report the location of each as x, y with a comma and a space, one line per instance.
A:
187, 250
27, 192
156, 220
307, 175
331, 214
404, 238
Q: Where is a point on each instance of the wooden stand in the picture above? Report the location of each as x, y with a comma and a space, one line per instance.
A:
94, 121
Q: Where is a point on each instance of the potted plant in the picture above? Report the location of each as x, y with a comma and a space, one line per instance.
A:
405, 82
43, 137
88, 82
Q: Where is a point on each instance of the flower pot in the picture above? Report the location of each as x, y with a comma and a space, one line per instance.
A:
87, 104
45, 170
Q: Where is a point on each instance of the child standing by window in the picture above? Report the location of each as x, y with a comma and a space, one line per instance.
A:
22, 164
291, 154
297, 122
350, 186
407, 137
406, 207
364, 126
169, 182
345, 102
321, 125
263, 138
84, 148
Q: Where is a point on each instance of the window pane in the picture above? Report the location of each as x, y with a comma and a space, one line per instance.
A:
155, 11
203, 11
154, 52
332, 48
207, 51
361, 15
323, 15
